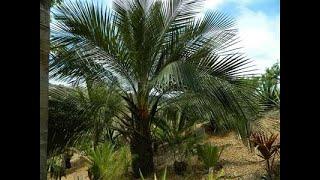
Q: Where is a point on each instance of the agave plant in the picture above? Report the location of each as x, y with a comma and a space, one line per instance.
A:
157, 51
268, 146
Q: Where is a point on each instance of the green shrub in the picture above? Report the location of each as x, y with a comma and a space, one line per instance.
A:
268, 147
209, 154
269, 86
175, 125
108, 163
55, 167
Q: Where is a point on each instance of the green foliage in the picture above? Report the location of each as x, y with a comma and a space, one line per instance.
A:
107, 163
269, 86
155, 47
175, 125
209, 154
158, 52
76, 114
163, 177
66, 122
55, 167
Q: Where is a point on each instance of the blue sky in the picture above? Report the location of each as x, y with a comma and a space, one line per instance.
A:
258, 22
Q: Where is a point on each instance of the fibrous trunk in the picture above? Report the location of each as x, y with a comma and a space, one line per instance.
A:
44, 56
141, 149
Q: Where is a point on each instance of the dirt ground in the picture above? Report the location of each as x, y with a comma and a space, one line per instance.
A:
237, 161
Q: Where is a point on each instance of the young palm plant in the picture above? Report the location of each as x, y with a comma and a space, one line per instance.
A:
175, 126
209, 154
107, 163
74, 117
67, 121
157, 51
55, 167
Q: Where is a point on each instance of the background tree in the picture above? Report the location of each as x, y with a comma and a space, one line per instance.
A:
44, 82
269, 86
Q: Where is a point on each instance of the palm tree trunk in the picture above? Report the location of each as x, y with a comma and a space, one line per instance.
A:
44, 56
141, 147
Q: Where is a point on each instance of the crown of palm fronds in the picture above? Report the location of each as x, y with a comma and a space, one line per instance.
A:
157, 51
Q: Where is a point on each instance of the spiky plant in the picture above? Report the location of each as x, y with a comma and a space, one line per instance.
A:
209, 154
268, 146
174, 127
107, 163
269, 86
157, 50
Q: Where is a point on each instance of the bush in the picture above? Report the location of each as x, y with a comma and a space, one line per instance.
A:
268, 146
175, 125
108, 163
269, 86
209, 154
55, 167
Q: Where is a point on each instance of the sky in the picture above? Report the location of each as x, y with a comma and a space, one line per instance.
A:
258, 22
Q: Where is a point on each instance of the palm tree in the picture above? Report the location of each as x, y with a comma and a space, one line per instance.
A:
158, 51
97, 97
74, 116
67, 121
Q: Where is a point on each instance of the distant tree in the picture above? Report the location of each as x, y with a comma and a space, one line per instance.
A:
269, 86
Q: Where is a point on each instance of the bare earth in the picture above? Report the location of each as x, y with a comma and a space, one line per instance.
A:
237, 160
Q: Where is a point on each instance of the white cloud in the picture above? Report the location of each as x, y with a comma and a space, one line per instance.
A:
211, 4
260, 36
